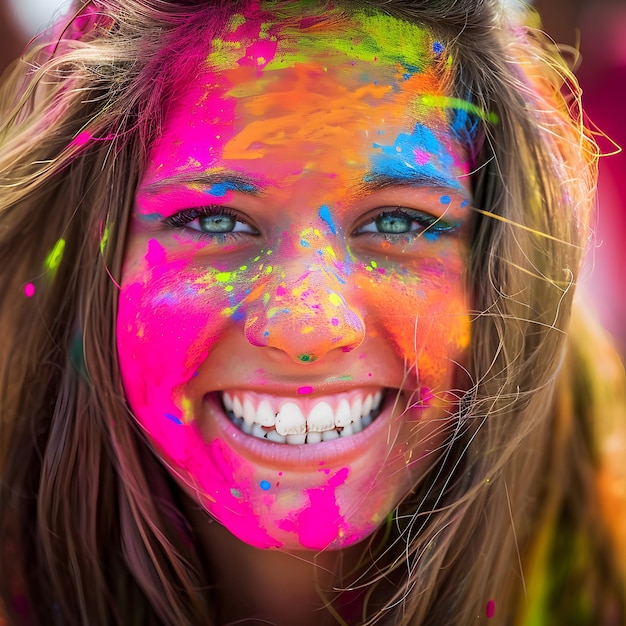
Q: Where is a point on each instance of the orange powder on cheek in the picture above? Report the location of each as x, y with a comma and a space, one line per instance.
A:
425, 318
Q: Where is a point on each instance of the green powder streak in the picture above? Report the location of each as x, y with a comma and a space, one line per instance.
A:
444, 102
104, 240
367, 36
55, 256
385, 39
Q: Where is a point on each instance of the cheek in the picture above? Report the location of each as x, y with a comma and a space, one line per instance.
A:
171, 312
423, 313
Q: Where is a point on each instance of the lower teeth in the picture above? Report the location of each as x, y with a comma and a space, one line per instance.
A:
258, 431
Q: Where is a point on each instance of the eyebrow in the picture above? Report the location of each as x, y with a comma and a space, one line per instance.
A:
374, 181
231, 181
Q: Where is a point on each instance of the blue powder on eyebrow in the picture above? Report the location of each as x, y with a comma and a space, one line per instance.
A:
219, 190
327, 217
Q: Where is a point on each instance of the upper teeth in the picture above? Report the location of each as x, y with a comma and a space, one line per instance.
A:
295, 421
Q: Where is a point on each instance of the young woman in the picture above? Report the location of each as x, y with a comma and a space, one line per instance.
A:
285, 303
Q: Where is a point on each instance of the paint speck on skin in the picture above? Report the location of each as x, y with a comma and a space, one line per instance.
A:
235, 493
335, 299
305, 391
445, 199
464, 203
29, 290
327, 217
306, 358
173, 418
491, 609
265, 485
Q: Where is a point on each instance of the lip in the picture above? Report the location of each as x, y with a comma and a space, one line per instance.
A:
305, 457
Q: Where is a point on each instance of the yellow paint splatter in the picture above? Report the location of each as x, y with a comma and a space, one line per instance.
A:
335, 299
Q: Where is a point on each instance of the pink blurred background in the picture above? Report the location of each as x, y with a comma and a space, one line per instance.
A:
598, 29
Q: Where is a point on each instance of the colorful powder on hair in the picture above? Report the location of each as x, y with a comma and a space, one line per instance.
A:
105, 239
29, 290
55, 256
81, 139
77, 356
491, 609
446, 102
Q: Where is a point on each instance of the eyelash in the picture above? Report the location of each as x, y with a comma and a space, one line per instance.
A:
428, 224
182, 219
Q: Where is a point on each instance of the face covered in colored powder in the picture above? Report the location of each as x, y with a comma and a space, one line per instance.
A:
293, 303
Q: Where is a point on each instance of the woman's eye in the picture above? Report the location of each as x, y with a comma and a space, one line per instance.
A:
211, 220
399, 221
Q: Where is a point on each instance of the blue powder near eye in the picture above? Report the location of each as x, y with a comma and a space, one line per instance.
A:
437, 47
151, 217
327, 217
445, 199
219, 190
173, 418
464, 203
264, 484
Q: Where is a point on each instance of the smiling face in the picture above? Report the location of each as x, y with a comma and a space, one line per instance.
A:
293, 298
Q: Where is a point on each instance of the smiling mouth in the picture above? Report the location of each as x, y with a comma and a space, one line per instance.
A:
302, 421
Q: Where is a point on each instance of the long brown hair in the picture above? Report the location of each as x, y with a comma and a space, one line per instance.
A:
91, 521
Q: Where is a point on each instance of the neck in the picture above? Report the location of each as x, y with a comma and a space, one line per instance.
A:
273, 587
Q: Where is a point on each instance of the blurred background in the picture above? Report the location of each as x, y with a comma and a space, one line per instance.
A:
597, 28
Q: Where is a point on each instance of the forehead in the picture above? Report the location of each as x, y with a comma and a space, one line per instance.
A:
312, 77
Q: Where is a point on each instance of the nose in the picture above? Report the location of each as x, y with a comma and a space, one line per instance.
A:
306, 319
